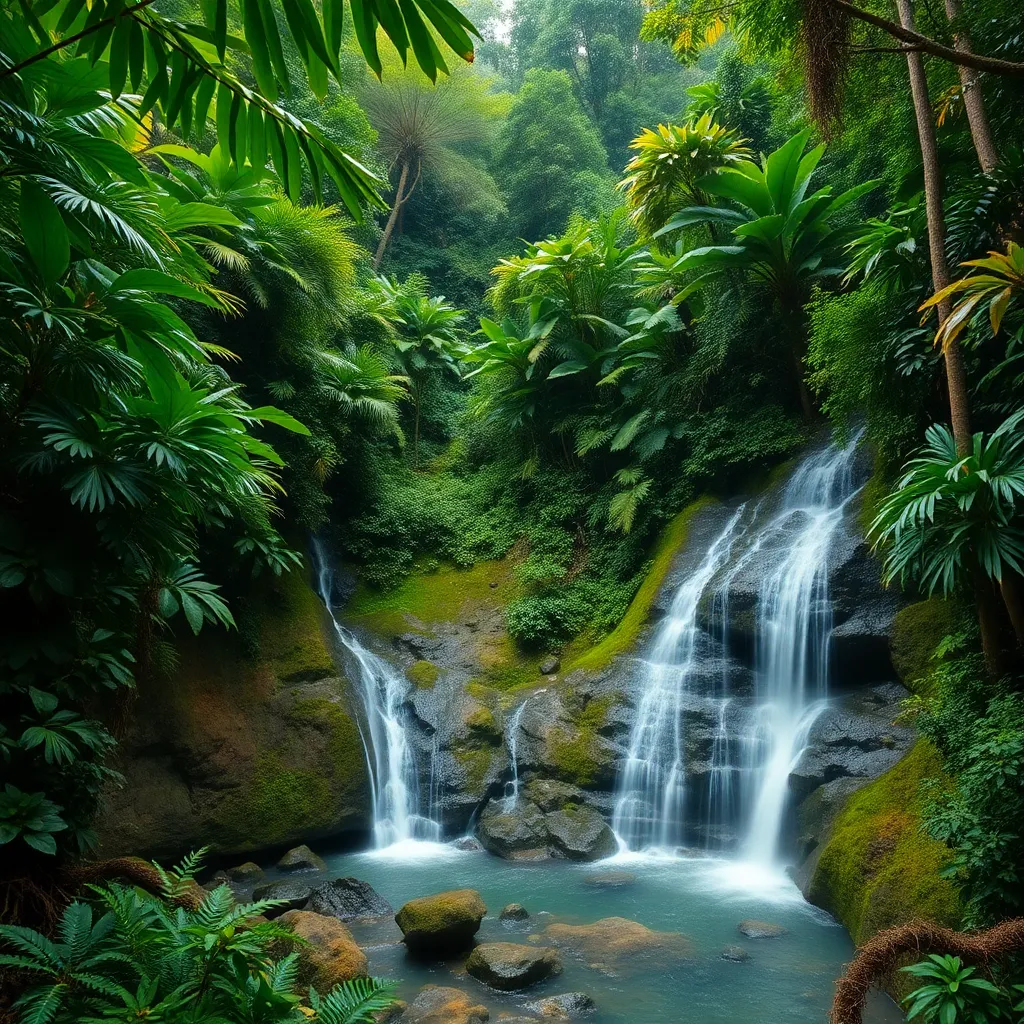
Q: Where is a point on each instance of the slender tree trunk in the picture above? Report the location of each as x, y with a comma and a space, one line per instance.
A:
990, 623
956, 377
1012, 589
974, 101
400, 198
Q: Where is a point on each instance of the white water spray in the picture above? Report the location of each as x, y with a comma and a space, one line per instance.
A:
390, 758
512, 740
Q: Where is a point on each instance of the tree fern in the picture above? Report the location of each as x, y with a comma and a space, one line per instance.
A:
352, 1002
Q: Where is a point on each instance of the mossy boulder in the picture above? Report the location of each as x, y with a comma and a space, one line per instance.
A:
616, 939
443, 923
301, 858
579, 832
328, 955
436, 1004
510, 966
876, 867
247, 872
242, 753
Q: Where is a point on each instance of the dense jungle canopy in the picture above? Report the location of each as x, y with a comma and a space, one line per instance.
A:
444, 284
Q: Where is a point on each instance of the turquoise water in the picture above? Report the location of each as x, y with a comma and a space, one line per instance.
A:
787, 979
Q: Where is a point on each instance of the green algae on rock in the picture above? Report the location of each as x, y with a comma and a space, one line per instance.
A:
443, 923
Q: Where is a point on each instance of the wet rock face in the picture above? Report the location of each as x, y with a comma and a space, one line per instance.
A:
441, 924
510, 966
574, 831
349, 899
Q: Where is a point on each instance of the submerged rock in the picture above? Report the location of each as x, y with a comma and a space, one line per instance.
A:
615, 938
510, 966
737, 954
567, 1006
443, 923
437, 1004
329, 955
348, 899
292, 892
610, 879
468, 844
513, 912
760, 929
580, 833
301, 858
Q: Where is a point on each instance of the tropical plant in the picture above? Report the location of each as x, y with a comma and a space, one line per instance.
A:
783, 239
953, 994
131, 955
670, 164
952, 517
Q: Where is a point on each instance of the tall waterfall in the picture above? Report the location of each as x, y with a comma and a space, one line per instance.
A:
708, 753
390, 758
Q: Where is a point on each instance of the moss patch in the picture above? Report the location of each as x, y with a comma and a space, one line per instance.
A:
291, 637
422, 674
626, 633
476, 760
345, 756
916, 633
879, 868
575, 756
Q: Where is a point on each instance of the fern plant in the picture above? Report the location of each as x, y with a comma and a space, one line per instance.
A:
129, 955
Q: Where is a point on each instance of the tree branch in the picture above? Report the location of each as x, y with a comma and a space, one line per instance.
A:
56, 47
978, 62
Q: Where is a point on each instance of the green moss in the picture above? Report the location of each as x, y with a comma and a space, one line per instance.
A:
916, 633
879, 868
440, 912
346, 760
574, 756
481, 721
626, 633
476, 760
437, 596
422, 674
871, 496
292, 636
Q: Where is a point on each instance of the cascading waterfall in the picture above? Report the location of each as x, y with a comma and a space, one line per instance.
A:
753, 744
390, 757
512, 741
649, 806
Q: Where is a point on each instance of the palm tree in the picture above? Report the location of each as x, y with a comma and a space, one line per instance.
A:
783, 239
670, 164
420, 126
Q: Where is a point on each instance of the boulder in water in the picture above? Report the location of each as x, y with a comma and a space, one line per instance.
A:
610, 879
328, 955
247, 872
736, 954
513, 912
580, 833
348, 899
567, 1006
504, 832
615, 938
510, 966
760, 929
469, 844
291, 891
552, 795
436, 1004
443, 923
301, 858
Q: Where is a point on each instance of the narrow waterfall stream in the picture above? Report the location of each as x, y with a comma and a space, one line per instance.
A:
672, 793
390, 757
512, 742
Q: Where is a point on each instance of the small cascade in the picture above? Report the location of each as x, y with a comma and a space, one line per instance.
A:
707, 761
390, 757
512, 741
649, 805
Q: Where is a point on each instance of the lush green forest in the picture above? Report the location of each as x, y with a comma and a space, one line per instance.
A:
280, 269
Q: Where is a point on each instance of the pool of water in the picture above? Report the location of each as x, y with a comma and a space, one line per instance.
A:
786, 979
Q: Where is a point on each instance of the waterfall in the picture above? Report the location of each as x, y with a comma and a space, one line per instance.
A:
649, 804
741, 747
390, 757
512, 740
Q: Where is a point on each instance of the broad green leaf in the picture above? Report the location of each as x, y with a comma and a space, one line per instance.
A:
43, 230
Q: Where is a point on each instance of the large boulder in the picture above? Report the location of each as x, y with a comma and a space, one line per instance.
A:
349, 899
615, 938
504, 832
437, 1004
580, 833
510, 966
247, 873
301, 858
328, 955
443, 923
292, 894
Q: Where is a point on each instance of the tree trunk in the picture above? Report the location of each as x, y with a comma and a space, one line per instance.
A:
1012, 589
990, 623
974, 101
400, 198
956, 377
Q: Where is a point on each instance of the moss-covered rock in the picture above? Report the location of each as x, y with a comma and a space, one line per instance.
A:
917, 631
443, 923
328, 955
878, 868
241, 754
423, 674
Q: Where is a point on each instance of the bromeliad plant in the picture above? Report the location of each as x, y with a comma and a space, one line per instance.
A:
130, 955
953, 994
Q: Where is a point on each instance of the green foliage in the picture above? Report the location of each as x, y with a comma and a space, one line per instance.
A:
953, 993
130, 955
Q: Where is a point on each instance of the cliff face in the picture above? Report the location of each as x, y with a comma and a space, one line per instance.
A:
241, 754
